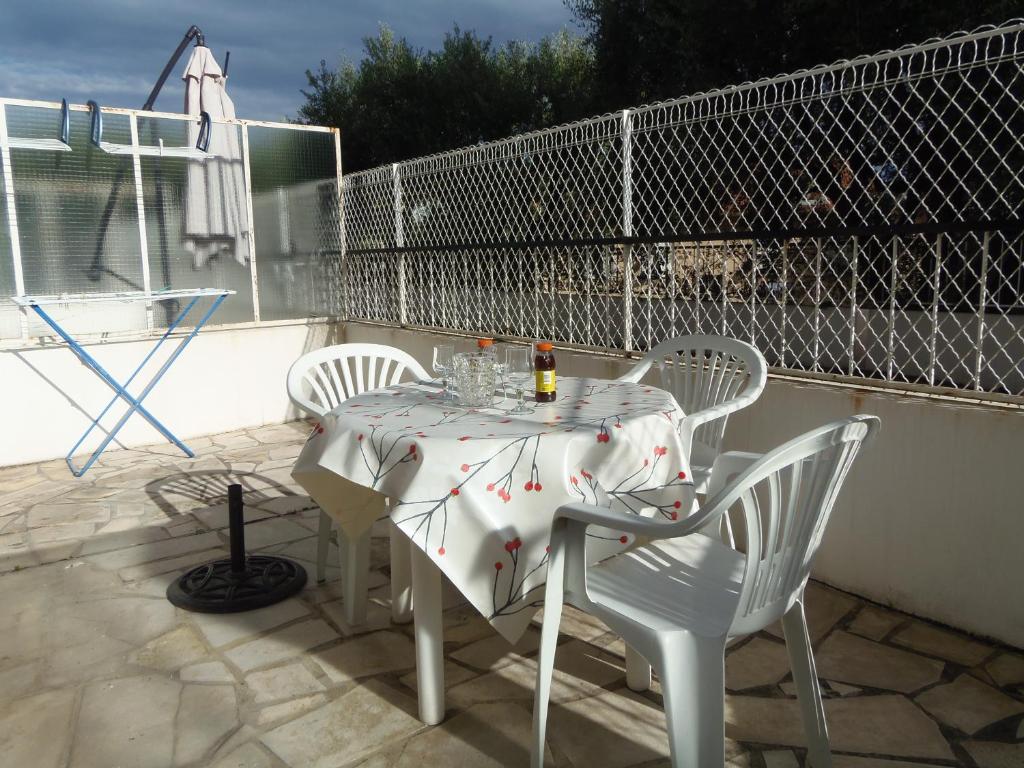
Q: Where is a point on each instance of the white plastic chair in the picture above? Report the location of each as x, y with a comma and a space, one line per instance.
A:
679, 599
710, 377
317, 383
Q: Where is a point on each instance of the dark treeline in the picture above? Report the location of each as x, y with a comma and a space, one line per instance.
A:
400, 102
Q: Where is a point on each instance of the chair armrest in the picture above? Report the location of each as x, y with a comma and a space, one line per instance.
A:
637, 372
590, 514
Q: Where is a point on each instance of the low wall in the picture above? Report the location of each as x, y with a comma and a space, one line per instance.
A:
226, 379
930, 520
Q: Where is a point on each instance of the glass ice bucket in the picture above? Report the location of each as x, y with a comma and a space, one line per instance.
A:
476, 375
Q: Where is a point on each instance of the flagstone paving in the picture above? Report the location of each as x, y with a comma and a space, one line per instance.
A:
98, 669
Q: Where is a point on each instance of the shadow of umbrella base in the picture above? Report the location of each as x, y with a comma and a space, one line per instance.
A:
218, 587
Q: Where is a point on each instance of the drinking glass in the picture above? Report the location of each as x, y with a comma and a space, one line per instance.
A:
443, 354
519, 371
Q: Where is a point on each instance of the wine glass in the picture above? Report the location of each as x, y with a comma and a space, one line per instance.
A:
443, 354
519, 370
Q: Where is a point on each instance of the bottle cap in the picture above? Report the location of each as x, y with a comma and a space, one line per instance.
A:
545, 346
484, 343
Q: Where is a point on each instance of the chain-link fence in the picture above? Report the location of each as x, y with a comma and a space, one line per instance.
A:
859, 219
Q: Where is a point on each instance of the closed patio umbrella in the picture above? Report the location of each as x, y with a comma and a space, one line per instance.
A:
216, 223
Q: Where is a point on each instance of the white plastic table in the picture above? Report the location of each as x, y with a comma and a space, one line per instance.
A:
476, 489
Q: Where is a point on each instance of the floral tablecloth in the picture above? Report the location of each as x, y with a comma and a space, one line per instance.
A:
477, 489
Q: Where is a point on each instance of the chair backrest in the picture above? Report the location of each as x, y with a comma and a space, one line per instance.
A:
320, 380
705, 372
784, 501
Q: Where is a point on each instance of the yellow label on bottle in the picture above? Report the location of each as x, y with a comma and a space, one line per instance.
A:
545, 381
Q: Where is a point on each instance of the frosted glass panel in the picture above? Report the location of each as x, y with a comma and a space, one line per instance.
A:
196, 223
297, 227
77, 219
78, 216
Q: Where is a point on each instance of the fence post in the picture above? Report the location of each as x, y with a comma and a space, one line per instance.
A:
979, 339
627, 231
933, 337
12, 220
403, 302
342, 233
253, 276
890, 340
726, 253
851, 349
753, 292
819, 247
783, 312
140, 214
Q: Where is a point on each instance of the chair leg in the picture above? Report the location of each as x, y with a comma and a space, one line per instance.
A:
545, 669
401, 580
355, 566
323, 543
812, 712
692, 671
638, 671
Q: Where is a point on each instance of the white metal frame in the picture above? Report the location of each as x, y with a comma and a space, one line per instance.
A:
136, 149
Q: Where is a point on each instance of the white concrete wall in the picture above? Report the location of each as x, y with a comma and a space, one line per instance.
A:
225, 380
930, 522
931, 519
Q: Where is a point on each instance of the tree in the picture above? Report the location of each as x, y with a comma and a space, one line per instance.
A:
649, 50
400, 102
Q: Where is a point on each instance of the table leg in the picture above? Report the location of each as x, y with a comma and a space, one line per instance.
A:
401, 584
355, 567
426, 586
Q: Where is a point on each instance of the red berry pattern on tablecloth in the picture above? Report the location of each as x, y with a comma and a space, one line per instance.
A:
500, 461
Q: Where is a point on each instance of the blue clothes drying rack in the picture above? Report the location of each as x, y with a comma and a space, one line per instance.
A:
121, 390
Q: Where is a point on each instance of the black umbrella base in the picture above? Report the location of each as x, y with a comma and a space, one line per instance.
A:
241, 583
218, 588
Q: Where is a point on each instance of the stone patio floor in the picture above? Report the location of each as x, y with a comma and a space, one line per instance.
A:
97, 669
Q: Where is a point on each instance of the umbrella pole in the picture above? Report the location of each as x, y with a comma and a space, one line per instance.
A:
96, 268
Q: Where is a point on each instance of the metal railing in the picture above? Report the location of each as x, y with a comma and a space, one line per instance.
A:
859, 219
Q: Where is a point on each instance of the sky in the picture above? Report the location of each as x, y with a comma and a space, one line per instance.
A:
113, 50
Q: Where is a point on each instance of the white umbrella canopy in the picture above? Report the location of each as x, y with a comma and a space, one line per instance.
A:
216, 224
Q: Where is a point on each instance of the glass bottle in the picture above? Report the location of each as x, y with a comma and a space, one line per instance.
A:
544, 368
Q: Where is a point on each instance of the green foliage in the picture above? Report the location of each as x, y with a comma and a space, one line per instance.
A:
648, 50
400, 102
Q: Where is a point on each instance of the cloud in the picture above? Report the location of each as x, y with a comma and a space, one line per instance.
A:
113, 50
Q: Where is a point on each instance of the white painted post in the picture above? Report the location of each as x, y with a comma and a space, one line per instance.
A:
343, 276
627, 231
819, 247
252, 224
12, 218
854, 281
933, 336
140, 212
403, 303
979, 339
890, 339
